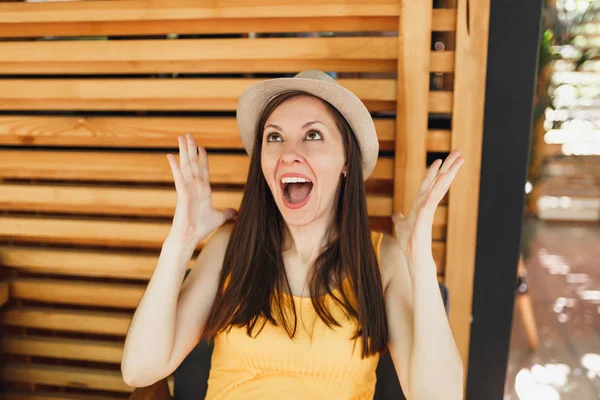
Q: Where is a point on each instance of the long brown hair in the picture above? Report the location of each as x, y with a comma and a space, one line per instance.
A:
253, 285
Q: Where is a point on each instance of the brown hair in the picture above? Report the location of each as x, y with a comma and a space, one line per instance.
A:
253, 285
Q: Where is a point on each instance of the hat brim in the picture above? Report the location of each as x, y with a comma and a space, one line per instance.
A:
256, 97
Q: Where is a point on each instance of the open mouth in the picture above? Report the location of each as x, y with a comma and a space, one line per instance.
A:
296, 191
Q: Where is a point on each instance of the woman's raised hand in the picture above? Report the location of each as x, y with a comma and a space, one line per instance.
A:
195, 217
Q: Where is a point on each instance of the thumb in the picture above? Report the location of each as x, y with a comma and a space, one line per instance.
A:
229, 214
397, 217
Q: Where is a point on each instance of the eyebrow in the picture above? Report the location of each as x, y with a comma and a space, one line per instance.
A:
303, 126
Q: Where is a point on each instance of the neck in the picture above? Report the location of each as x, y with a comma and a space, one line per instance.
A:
305, 243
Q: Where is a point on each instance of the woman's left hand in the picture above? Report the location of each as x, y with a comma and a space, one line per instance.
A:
415, 231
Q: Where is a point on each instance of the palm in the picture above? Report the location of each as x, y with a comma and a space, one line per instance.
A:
414, 231
195, 217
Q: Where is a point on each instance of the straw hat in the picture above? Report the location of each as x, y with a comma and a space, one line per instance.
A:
319, 84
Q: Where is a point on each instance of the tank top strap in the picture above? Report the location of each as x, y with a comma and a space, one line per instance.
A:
376, 238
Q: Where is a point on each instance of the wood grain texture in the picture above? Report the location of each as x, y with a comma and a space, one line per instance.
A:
444, 20
99, 294
174, 94
414, 103
129, 167
39, 395
148, 202
107, 264
104, 232
85, 321
67, 348
367, 53
75, 377
467, 135
189, 9
156, 132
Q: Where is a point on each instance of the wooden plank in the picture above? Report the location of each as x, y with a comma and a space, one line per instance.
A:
139, 234
70, 349
83, 321
199, 55
367, 53
118, 295
20, 395
79, 262
173, 94
133, 201
55, 375
130, 167
158, 10
221, 133
443, 20
213, 25
4, 292
414, 103
104, 264
467, 135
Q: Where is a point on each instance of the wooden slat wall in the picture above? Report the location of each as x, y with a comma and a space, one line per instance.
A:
92, 97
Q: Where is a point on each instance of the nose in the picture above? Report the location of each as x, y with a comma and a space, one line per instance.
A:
291, 155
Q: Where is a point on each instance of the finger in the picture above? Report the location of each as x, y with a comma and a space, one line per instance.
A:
193, 155
430, 176
229, 214
444, 180
452, 157
203, 164
177, 177
184, 160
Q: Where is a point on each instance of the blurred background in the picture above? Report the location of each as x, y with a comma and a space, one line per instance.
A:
555, 342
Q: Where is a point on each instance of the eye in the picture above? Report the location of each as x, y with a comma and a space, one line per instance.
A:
314, 135
274, 137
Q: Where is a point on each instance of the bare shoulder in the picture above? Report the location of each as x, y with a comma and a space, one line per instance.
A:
393, 260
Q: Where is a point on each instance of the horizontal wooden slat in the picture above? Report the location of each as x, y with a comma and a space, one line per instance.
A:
119, 295
130, 167
156, 132
75, 377
127, 202
444, 20
87, 293
20, 395
190, 9
79, 262
113, 232
103, 264
97, 322
374, 54
174, 94
70, 349
4, 292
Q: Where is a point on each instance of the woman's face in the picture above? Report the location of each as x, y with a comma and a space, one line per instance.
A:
302, 159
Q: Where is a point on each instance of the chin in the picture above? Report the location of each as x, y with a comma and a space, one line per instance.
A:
300, 216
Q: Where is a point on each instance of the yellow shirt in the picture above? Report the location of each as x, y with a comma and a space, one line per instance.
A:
274, 366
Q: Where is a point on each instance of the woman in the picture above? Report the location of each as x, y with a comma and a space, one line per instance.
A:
298, 295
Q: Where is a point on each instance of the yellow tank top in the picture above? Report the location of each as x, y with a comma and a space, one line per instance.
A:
319, 363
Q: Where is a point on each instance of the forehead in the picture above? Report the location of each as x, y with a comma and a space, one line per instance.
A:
299, 109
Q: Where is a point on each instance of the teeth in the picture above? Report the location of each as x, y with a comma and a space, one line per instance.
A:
294, 179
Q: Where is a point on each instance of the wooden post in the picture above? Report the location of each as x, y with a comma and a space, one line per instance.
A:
414, 42
467, 133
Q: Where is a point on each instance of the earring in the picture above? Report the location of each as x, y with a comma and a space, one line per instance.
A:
344, 173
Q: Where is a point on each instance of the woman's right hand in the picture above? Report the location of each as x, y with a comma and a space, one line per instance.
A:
195, 217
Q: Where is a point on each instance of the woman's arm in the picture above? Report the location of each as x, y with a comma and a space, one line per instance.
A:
418, 323
170, 317
421, 344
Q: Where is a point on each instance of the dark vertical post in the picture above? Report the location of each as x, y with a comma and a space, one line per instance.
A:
514, 34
